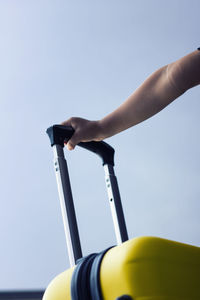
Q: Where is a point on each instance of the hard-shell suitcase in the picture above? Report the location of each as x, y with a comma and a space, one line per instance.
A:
143, 268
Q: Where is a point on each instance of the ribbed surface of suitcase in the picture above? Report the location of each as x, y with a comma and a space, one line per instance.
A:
145, 268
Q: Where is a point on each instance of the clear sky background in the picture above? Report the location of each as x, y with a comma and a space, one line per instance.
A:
84, 58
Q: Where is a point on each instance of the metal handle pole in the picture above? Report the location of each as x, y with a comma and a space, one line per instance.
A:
115, 204
67, 205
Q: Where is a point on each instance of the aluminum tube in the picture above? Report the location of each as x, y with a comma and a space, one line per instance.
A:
115, 205
67, 205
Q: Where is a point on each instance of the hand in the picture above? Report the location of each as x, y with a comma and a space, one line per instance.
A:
85, 131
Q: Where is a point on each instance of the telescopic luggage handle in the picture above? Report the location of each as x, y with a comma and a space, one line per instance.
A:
58, 134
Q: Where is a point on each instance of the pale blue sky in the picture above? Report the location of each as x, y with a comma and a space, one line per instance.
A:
83, 58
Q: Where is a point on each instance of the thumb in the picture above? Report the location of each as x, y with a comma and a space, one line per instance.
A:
70, 145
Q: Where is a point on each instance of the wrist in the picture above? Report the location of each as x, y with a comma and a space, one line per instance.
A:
100, 130
105, 128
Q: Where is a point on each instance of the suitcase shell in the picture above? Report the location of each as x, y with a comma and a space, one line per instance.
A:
149, 268
144, 268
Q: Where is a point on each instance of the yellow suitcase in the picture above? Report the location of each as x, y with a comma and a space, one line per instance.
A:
144, 268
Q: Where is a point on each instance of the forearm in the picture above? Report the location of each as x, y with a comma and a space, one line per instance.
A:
157, 91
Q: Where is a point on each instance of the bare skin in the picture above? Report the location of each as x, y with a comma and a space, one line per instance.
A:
156, 92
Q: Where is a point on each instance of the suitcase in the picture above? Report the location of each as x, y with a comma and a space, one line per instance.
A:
143, 268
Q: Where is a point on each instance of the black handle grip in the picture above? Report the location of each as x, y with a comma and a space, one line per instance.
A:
59, 133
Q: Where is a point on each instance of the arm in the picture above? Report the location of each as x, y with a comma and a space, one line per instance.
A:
156, 92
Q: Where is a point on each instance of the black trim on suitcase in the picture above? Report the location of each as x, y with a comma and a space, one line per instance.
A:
95, 288
85, 281
80, 289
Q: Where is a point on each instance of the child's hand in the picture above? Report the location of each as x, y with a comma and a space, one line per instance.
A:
85, 131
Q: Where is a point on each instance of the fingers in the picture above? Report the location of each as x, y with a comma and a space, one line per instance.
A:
84, 131
67, 122
70, 145
75, 139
